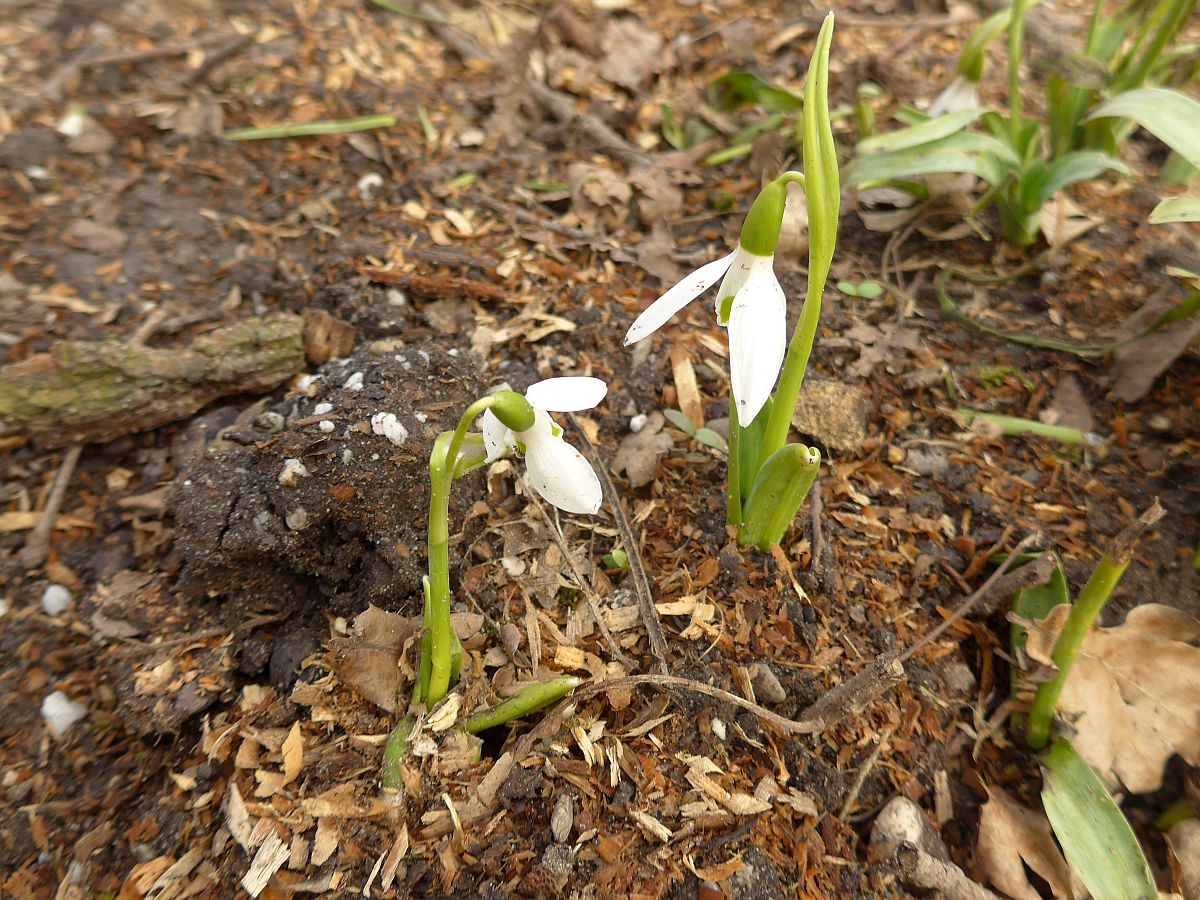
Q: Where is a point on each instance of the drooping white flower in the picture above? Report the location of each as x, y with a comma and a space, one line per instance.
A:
959, 95
751, 304
557, 471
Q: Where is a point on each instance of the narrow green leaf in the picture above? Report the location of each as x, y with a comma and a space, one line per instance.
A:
1177, 209
1170, 116
710, 438
928, 131
1037, 189
1096, 838
408, 13
977, 154
738, 89
307, 129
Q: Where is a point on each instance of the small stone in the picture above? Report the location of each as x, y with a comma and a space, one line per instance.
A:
638, 422
322, 409
296, 518
834, 412
902, 820
558, 859
326, 427
387, 425
767, 686
56, 599
927, 462
354, 382
562, 818
293, 470
61, 712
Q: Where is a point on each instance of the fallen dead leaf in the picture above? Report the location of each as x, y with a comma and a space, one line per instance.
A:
1062, 221
1133, 695
1012, 837
1136, 365
639, 453
1069, 407
632, 53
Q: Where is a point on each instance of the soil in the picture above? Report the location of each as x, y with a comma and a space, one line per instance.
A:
488, 236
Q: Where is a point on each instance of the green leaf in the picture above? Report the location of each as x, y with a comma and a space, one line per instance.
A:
869, 290
1177, 209
928, 131
849, 288
1096, 838
710, 438
1169, 115
780, 487
308, 129
976, 154
1040, 182
680, 421
1035, 602
738, 89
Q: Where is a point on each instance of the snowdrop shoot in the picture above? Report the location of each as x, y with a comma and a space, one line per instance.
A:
511, 423
557, 471
767, 481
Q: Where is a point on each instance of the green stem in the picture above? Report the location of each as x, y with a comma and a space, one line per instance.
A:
394, 754
443, 460
1016, 37
308, 129
733, 475
531, 699
1012, 425
1083, 615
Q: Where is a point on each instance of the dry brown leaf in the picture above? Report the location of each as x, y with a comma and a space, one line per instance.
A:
632, 53
640, 452
1133, 695
1136, 365
1062, 221
653, 253
1011, 837
691, 404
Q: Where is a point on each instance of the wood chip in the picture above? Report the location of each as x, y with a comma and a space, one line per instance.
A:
691, 404
267, 861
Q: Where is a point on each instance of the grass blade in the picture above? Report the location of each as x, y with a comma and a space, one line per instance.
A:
308, 129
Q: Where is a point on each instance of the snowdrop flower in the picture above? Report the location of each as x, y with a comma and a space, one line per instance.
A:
557, 470
750, 303
960, 94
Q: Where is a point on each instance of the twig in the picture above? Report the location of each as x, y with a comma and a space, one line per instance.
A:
37, 546
217, 57
920, 870
785, 725
864, 770
989, 590
584, 584
562, 107
645, 597
855, 694
151, 53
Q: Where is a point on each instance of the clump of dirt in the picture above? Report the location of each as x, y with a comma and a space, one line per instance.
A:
321, 496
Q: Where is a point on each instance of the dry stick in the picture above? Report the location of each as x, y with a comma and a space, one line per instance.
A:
585, 585
645, 597
562, 107
919, 869
37, 546
218, 57
989, 590
854, 694
864, 770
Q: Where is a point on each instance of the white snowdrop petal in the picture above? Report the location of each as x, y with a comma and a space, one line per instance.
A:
679, 296
570, 393
497, 438
740, 269
757, 341
959, 95
560, 473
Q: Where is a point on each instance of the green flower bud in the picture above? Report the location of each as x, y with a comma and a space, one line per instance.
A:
513, 410
760, 231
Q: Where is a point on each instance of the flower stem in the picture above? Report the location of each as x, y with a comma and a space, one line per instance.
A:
822, 193
1016, 37
1082, 617
443, 643
531, 699
394, 754
733, 476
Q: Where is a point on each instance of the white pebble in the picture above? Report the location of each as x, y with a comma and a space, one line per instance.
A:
421, 417
354, 382
369, 184
56, 599
347, 456
638, 422
61, 712
389, 426
397, 297
297, 519
718, 727
307, 384
292, 470
322, 408
326, 426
